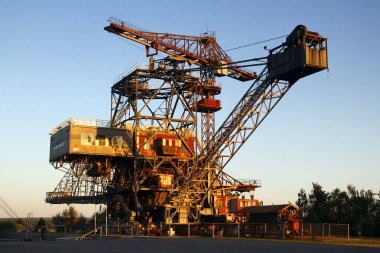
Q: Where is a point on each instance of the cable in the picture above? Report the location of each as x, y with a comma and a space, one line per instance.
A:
130, 43
5, 204
248, 45
6, 211
136, 46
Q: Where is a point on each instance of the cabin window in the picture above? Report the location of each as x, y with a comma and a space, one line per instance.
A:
87, 139
101, 140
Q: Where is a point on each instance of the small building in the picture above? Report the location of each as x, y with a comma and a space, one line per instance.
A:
285, 215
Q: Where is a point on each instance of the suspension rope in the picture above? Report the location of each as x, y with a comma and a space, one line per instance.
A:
6, 208
252, 44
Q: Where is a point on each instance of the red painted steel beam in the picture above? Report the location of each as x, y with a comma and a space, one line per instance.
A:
200, 50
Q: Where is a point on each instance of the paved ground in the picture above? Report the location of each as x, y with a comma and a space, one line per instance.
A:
178, 245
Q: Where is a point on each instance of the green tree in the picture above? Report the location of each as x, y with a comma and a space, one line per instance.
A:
376, 214
7, 226
58, 220
319, 204
69, 217
358, 208
303, 202
82, 224
339, 206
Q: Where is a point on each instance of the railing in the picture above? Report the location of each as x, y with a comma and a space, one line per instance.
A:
250, 182
325, 231
130, 231
302, 231
219, 230
127, 230
52, 195
81, 122
128, 71
230, 181
123, 23
56, 226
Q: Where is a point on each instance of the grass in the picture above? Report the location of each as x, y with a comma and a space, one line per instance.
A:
355, 241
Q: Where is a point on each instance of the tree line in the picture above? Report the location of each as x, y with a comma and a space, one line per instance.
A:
360, 209
76, 222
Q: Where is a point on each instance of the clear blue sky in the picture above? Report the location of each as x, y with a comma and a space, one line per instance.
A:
56, 61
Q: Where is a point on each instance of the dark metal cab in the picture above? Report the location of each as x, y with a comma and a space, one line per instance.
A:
305, 53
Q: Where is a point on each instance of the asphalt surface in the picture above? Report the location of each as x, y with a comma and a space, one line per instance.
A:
178, 245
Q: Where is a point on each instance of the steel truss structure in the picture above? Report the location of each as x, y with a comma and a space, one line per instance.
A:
175, 170
154, 108
76, 186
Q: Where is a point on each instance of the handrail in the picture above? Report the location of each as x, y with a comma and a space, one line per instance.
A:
123, 23
80, 122
61, 194
128, 71
93, 231
106, 227
250, 182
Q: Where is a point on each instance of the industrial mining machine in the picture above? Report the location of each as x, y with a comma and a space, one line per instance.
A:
160, 156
